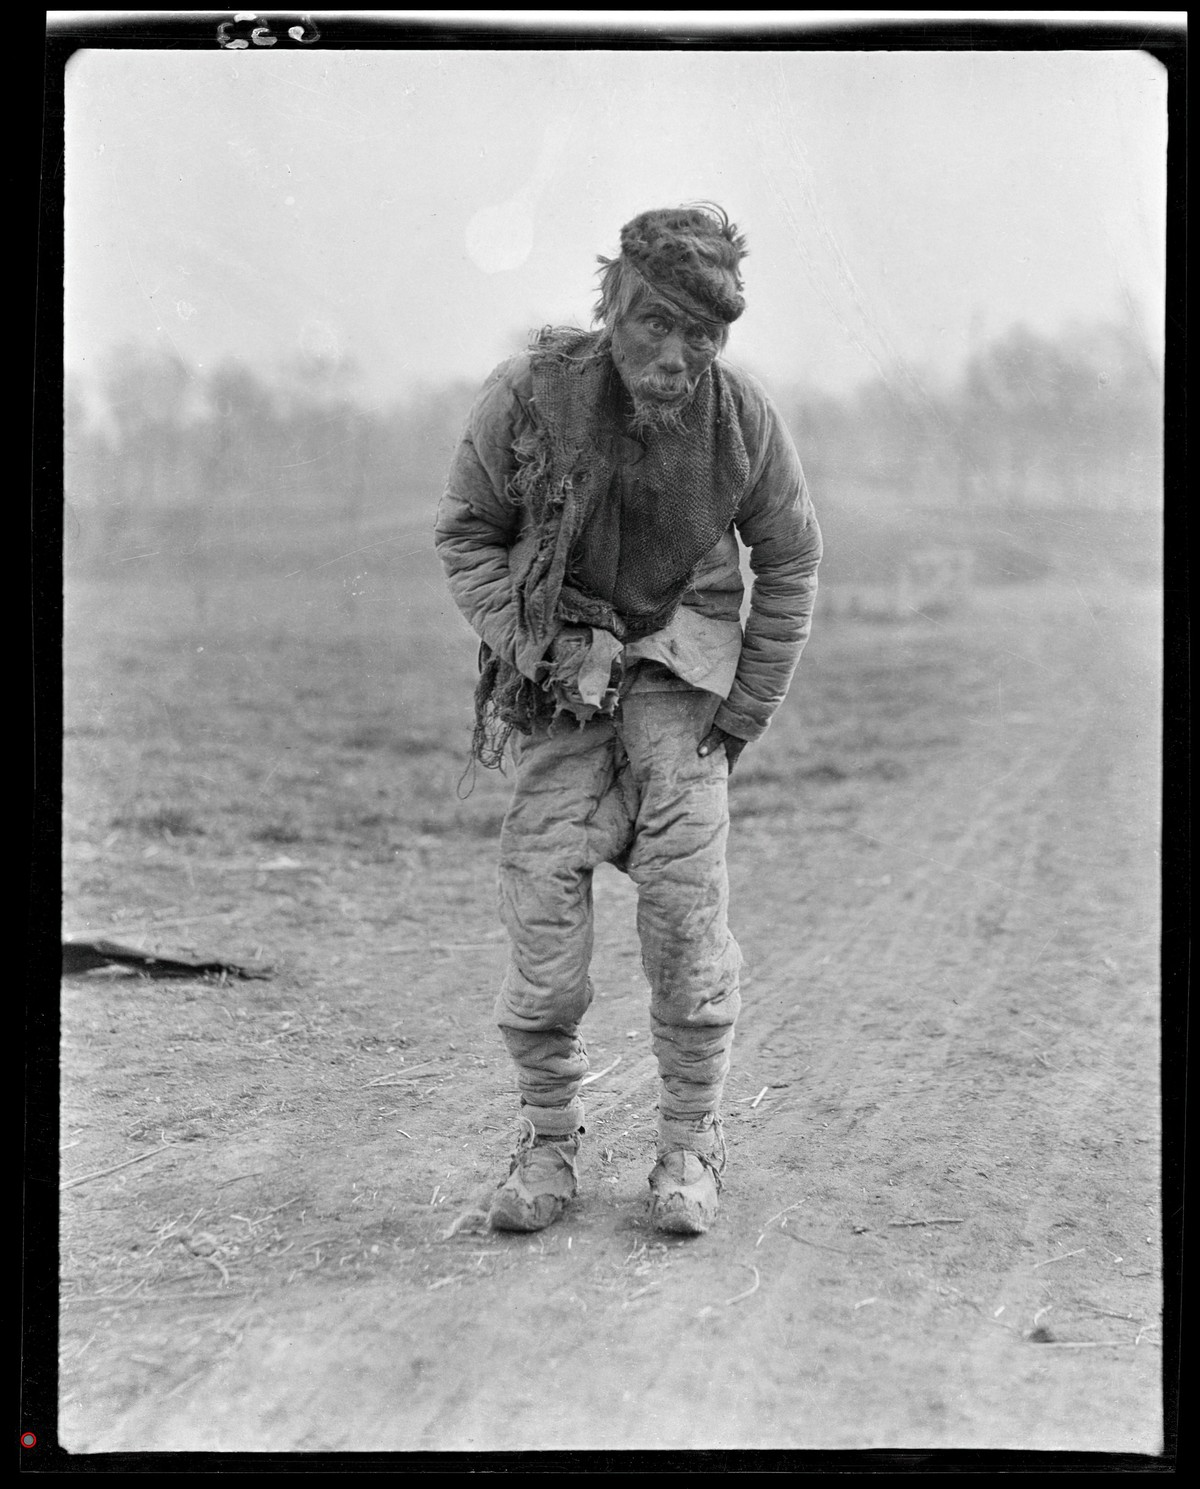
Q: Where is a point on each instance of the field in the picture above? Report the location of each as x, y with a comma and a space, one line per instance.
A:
940, 1226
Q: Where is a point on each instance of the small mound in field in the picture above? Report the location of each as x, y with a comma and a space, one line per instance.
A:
278, 832
178, 821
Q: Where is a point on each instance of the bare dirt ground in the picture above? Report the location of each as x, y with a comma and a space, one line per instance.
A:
940, 1226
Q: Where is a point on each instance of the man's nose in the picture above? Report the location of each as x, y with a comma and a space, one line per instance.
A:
671, 356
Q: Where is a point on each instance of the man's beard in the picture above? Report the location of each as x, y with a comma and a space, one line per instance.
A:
654, 415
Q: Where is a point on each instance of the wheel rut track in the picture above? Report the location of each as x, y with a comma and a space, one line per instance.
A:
885, 936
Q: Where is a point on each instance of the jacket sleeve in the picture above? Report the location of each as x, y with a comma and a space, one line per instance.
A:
777, 523
477, 521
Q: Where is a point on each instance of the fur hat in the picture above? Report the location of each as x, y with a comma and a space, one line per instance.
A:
691, 254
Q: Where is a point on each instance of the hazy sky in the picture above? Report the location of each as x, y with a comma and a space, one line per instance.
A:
419, 211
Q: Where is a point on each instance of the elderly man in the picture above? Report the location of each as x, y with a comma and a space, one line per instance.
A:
589, 535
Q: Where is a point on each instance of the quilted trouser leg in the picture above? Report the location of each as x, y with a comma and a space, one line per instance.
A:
567, 815
678, 863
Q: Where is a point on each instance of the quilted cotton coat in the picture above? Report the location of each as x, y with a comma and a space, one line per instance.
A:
479, 525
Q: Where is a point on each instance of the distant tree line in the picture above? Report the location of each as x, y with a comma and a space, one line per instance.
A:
168, 442
1031, 422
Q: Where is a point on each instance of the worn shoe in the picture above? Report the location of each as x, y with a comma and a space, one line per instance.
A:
541, 1182
683, 1193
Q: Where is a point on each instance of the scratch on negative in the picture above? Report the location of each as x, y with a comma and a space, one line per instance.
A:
1044, 944
383, 542
1029, 661
1084, 603
266, 779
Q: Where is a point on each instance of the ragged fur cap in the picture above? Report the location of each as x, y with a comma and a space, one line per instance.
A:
688, 254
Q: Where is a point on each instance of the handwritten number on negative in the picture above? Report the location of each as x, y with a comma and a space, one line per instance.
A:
246, 30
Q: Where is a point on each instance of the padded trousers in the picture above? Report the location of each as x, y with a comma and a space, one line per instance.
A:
632, 791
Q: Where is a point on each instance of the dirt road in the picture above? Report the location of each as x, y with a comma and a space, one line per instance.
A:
940, 1226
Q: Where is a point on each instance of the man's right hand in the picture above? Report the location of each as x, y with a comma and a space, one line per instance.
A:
569, 648
582, 661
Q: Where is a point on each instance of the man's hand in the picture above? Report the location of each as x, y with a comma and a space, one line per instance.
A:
569, 649
583, 664
733, 745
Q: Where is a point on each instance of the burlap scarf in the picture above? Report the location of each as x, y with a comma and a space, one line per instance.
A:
689, 484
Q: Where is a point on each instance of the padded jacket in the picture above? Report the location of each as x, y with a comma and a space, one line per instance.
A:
478, 526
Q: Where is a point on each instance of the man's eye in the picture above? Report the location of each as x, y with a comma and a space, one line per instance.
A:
658, 325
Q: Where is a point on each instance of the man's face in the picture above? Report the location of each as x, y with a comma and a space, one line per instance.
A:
661, 354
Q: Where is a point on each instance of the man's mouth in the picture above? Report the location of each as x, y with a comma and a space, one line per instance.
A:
664, 389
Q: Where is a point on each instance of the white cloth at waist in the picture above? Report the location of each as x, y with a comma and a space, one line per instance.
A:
702, 651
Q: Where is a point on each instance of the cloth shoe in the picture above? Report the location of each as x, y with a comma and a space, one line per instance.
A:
542, 1181
683, 1193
